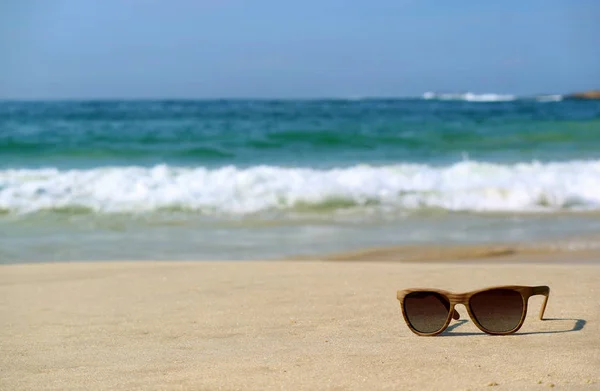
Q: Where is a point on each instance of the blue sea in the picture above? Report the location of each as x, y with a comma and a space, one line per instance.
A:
256, 179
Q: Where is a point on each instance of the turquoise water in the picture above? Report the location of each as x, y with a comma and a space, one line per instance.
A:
251, 179
294, 133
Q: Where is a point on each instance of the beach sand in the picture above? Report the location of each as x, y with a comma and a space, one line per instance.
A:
285, 325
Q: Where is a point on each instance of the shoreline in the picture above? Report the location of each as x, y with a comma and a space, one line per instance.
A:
329, 322
575, 249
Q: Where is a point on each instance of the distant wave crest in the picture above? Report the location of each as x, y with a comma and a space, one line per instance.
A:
469, 97
472, 97
549, 98
464, 186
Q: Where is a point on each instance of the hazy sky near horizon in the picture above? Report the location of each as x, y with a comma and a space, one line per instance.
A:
311, 48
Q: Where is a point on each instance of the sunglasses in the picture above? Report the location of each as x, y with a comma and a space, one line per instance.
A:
498, 310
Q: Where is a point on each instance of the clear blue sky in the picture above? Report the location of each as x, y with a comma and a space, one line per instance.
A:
284, 48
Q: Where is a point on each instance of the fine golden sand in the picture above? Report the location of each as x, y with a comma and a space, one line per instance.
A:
290, 325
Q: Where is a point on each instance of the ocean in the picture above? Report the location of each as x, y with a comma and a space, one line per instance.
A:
265, 179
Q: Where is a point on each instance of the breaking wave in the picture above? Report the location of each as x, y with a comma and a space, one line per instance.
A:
464, 186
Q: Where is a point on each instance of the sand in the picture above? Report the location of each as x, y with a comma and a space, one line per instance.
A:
306, 325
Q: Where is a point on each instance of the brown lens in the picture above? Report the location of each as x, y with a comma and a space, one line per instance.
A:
497, 310
427, 312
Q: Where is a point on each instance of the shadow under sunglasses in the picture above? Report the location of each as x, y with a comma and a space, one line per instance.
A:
577, 326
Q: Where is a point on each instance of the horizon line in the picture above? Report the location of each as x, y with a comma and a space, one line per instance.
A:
274, 98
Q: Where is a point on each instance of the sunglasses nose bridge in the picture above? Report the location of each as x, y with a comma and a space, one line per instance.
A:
459, 299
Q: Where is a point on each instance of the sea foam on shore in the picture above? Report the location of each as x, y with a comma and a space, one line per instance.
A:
464, 186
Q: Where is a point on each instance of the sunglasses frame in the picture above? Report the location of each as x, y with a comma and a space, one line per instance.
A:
464, 298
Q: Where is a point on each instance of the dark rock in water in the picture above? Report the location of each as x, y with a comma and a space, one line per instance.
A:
592, 94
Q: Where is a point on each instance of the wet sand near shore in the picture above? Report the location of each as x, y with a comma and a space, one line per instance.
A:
574, 250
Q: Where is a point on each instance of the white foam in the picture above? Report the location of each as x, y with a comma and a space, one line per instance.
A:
467, 186
470, 97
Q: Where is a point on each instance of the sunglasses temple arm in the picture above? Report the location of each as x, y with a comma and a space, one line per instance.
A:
542, 290
455, 314
543, 307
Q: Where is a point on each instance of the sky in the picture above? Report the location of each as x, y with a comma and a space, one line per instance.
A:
82, 49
